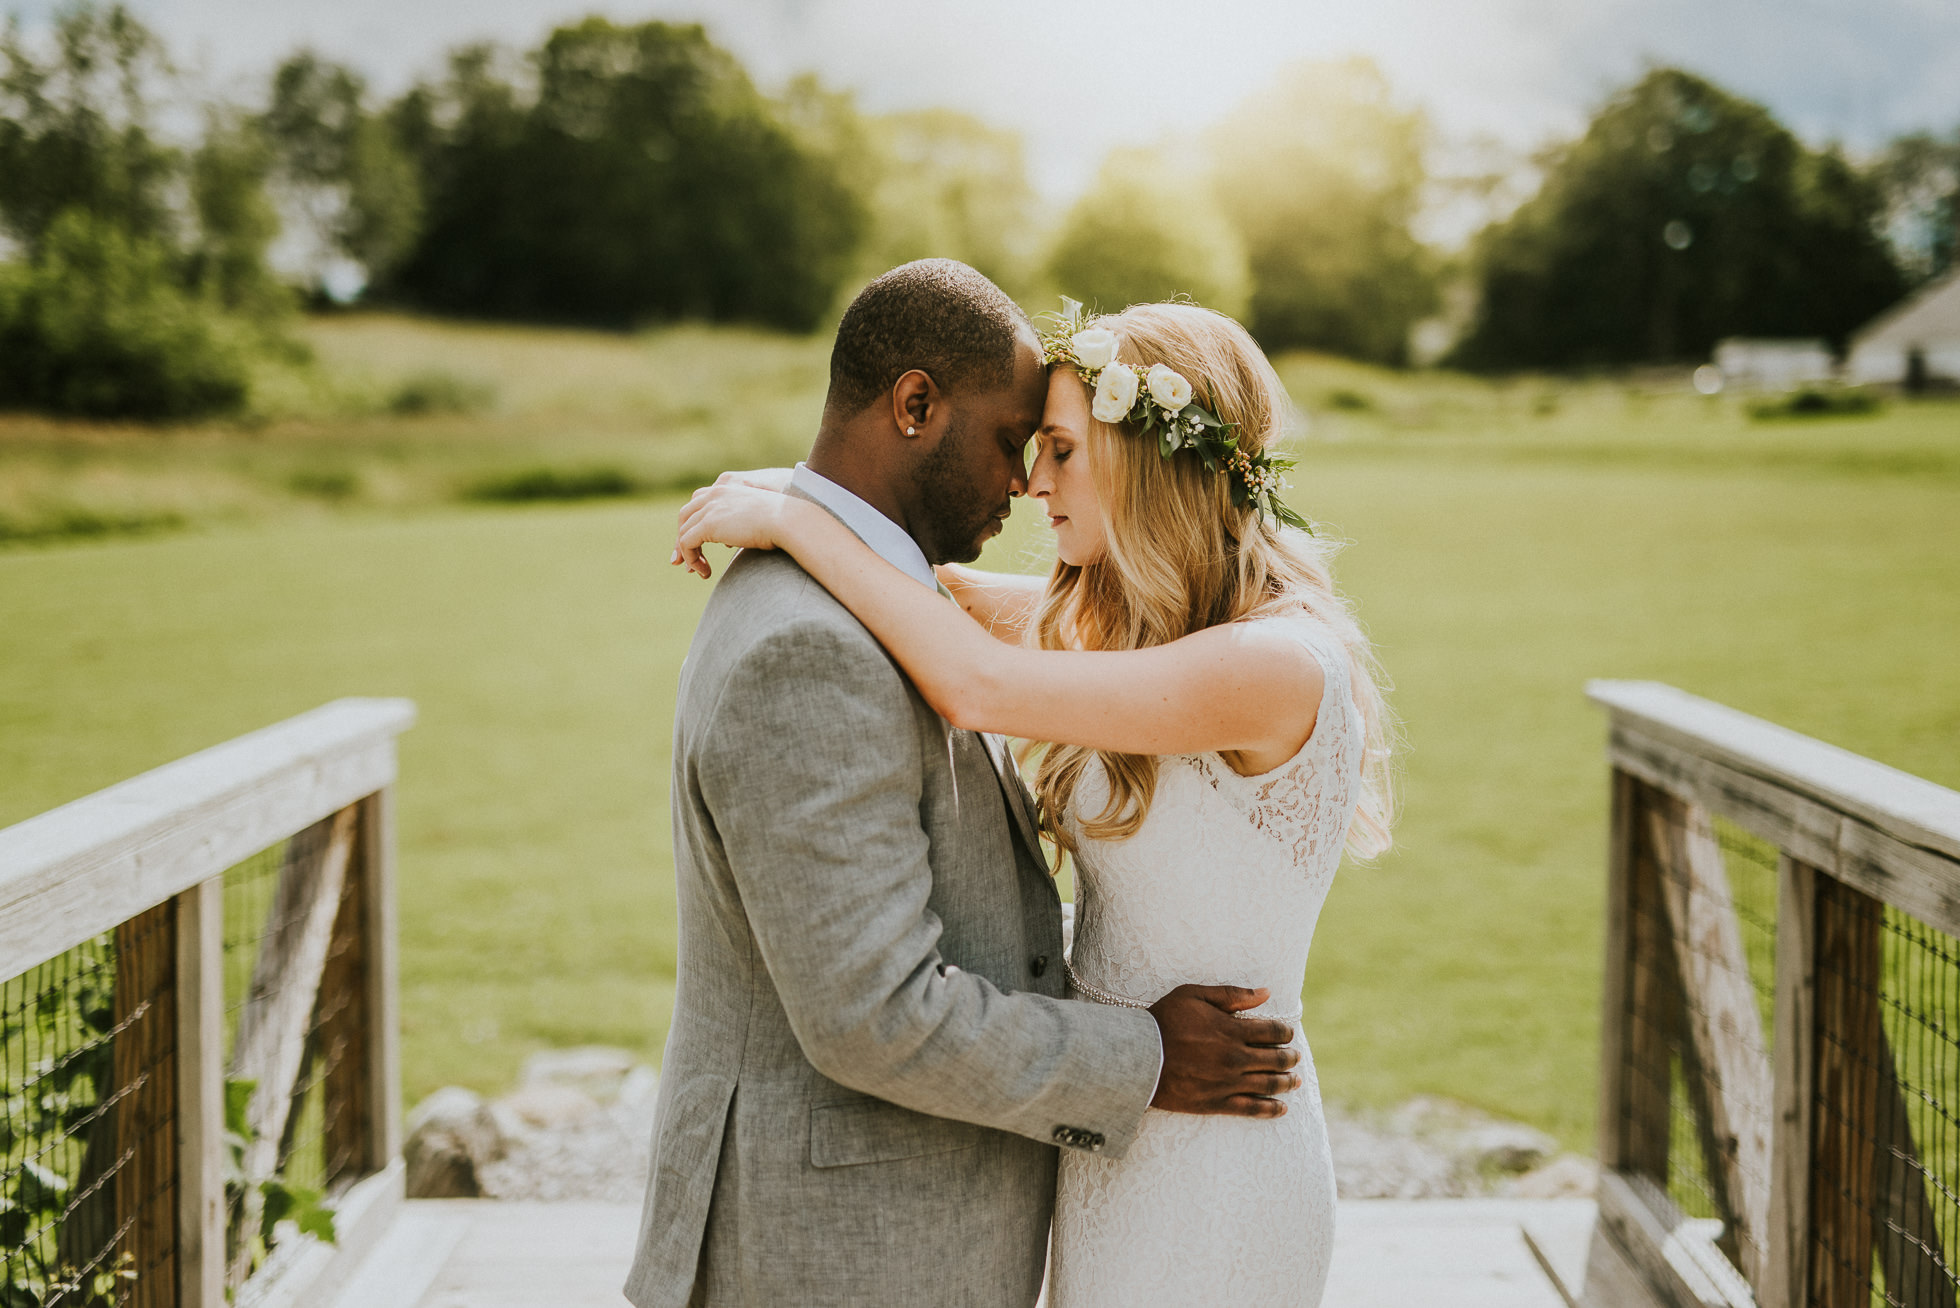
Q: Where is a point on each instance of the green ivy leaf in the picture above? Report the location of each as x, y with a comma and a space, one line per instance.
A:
238, 1100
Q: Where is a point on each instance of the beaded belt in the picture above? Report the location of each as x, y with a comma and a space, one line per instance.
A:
1102, 996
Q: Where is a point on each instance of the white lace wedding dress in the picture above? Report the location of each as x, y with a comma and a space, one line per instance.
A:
1221, 885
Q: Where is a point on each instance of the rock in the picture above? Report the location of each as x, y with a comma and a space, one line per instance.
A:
547, 1106
1506, 1147
599, 1070
451, 1138
1569, 1176
639, 1088
1373, 1162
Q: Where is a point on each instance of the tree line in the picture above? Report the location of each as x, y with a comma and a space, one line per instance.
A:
626, 174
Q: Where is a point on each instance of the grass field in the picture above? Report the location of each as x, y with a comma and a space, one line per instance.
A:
1509, 543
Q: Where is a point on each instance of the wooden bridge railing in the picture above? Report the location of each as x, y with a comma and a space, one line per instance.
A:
198, 1033
1780, 1075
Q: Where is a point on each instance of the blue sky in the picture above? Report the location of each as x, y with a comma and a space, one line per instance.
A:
1078, 76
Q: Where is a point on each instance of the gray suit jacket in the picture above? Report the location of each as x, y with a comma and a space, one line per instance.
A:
870, 1065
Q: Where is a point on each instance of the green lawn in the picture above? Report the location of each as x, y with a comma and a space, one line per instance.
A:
1509, 543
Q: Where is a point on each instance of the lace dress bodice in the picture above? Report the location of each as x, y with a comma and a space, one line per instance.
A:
1222, 884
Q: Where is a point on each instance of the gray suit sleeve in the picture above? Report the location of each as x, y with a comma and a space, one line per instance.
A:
811, 767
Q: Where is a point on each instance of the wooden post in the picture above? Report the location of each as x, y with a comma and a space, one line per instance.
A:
201, 1095
1653, 1016
382, 967
146, 1078
1786, 1264
1613, 1026
1844, 1172
340, 1035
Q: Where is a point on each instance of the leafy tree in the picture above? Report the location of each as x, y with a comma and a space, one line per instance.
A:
935, 183
1322, 176
77, 126
236, 220
647, 178
140, 265
1683, 215
342, 169
1149, 229
1919, 176
97, 324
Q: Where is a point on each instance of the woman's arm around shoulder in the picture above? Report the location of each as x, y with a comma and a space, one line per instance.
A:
1002, 602
1247, 688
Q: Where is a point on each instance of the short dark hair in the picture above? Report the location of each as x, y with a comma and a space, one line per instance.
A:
937, 315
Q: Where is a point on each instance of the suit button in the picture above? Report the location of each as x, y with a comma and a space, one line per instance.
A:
1062, 1134
1039, 965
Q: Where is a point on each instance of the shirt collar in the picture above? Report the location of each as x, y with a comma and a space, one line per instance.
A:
886, 538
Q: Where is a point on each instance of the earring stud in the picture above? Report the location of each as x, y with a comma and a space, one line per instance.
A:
911, 431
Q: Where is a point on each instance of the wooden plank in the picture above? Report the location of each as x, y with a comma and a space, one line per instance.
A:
1844, 1173
146, 1079
1615, 1028
201, 1095
78, 870
1910, 809
273, 1027
1786, 1268
1677, 1257
1918, 881
1723, 1023
1784, 818
1654, 1014
381, 951
1923, 882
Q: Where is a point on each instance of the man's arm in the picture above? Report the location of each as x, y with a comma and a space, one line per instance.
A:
811, 765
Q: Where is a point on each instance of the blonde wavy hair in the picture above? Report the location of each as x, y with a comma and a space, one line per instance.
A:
1180, 557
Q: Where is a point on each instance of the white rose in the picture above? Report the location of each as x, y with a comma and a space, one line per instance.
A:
1095, 347
1168, 388
1116, 393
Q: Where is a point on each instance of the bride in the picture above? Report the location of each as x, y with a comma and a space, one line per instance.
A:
1216, 735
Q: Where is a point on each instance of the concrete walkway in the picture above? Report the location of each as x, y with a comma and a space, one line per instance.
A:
1389, 1253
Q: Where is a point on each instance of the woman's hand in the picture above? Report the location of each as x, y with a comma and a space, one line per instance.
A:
733, 514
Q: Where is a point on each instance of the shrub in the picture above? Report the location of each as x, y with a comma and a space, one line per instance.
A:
325, 483
1347, 401
539, 484
438, 392
96, 326
1815, 402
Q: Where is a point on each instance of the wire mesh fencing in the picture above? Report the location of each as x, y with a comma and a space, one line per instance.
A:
88, 1166
295, 1008
1699, 1016
1886, 1148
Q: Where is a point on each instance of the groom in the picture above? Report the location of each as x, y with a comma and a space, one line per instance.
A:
871, 1064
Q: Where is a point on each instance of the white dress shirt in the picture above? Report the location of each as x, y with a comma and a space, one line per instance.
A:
886, 538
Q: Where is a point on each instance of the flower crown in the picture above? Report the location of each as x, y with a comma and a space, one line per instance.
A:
1159, 400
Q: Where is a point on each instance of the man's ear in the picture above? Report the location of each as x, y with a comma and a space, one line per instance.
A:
915, 403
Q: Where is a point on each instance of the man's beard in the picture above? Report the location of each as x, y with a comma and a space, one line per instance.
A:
953, 513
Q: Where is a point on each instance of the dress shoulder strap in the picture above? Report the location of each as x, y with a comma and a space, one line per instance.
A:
1337, 674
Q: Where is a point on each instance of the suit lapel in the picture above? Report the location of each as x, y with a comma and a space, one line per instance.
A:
1011, 787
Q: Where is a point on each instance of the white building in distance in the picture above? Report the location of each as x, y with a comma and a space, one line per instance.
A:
1772, 364
1925, 328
